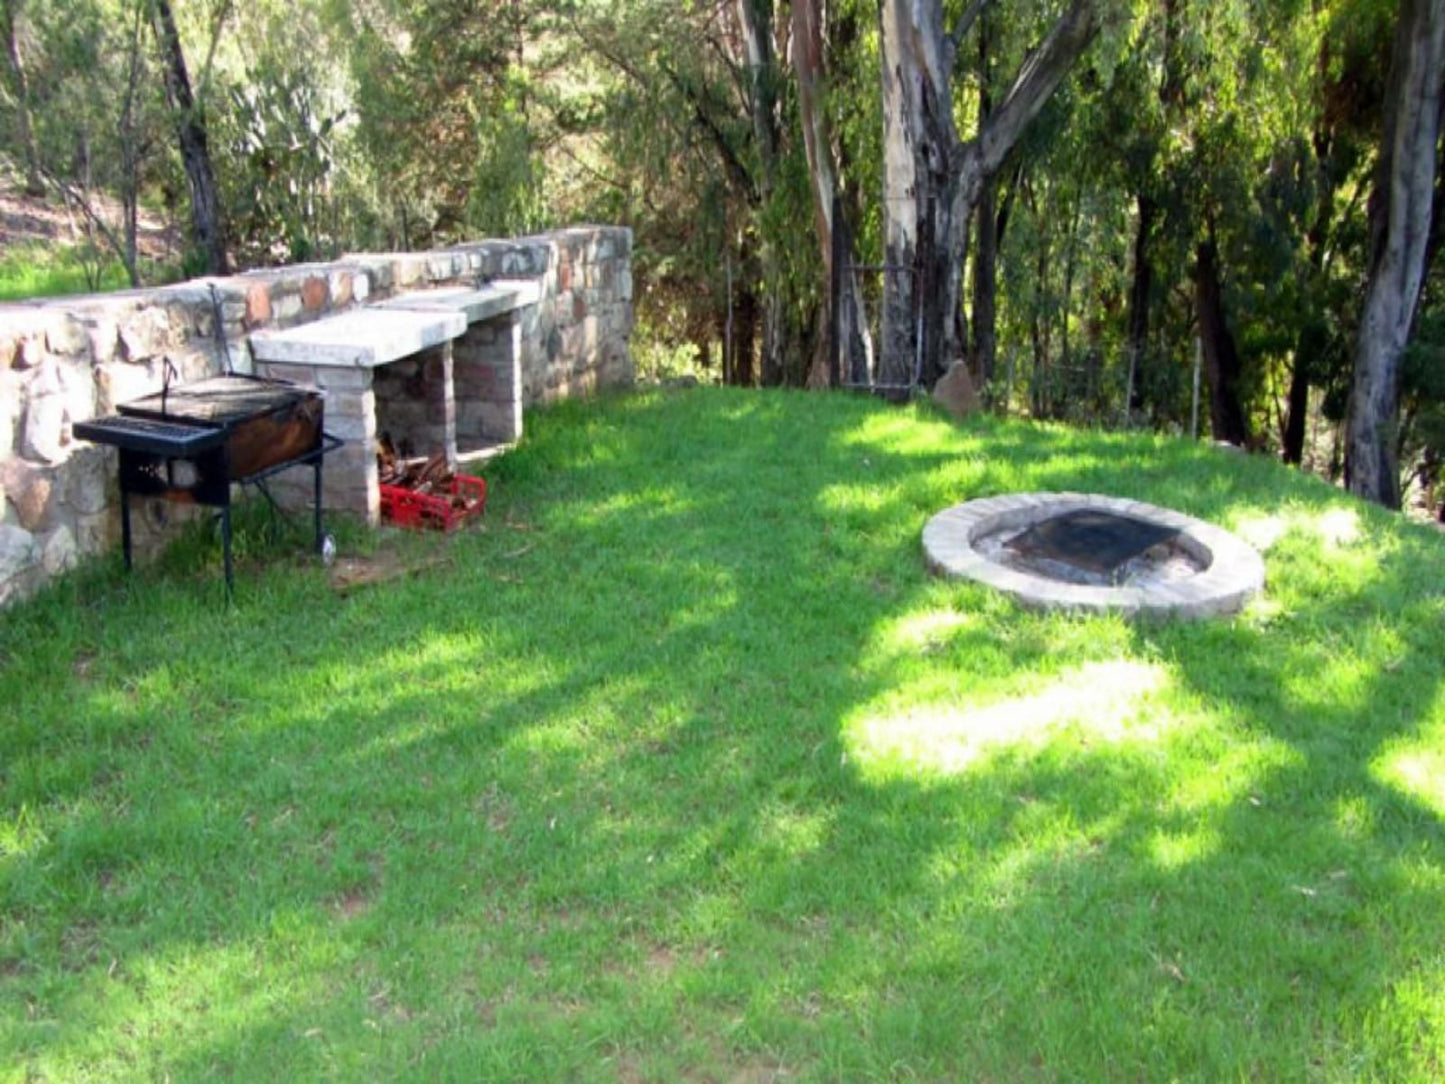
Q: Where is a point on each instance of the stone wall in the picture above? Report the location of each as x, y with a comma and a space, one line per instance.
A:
66, 360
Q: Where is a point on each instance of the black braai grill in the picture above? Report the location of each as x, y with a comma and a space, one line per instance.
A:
192, 442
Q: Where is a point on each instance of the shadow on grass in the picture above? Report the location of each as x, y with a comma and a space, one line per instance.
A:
589, 803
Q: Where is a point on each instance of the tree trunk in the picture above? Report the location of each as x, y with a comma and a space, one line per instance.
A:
1313, 335
1312, 341
829, 209
1221, 358
985, 261
1141, 285
130, 151
1039, 330
932, 180
1400, 231
206, 227
10, 12
755, 22
745, 336
1066, 353
985, 285
1298, 402
921, 296
755, 25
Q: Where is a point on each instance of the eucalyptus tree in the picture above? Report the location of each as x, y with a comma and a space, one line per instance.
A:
698, 131
207, 220
1312, 195
833, 211
99, 126
1401, 207
12, 25
933, 179
443, 95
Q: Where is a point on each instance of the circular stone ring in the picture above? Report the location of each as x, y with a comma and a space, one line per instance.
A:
1223, 571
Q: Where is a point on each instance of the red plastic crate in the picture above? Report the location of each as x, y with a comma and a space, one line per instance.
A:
408, 508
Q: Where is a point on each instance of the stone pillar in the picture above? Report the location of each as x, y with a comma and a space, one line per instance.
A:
349, 480
488, 381
444, 417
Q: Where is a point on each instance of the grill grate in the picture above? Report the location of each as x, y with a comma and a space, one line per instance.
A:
148, 435
218, 401
1098, 542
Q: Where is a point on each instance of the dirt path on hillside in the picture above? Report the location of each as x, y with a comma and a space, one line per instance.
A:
27, 221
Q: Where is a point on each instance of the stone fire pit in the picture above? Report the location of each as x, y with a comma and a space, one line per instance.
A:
1092, 554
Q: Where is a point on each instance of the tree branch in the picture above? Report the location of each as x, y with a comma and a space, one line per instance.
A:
216, 28
1036, 80
731, 162
965, 24
76, 197
737, 172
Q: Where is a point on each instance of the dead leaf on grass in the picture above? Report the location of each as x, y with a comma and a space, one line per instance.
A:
660, 960
353, 903
349, 573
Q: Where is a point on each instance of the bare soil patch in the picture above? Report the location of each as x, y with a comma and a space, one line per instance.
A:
25, 220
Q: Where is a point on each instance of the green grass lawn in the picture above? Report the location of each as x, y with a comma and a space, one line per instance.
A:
35, 270
683, 768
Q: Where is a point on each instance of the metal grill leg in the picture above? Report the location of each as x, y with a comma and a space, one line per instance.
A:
317, 504
226, 551
125, 527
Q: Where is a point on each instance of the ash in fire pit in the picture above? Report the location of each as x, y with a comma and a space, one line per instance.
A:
1095, 547
1092, 553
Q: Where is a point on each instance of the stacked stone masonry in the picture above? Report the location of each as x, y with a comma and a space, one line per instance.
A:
70, 359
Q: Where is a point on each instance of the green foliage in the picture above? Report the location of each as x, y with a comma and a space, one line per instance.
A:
276, 149
409, 123
507, 196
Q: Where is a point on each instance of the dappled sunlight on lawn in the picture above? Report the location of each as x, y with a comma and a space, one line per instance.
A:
925, 629
1100, 701
1240, 772
1172, 851
681, 761
785, 833
907, 432
857, 497
653, 501
1415, 765
199, 999
1334, 529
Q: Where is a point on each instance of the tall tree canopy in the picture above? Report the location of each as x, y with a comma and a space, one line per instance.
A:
1076, 197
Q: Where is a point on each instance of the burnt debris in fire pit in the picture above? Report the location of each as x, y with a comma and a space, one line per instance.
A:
1088, 546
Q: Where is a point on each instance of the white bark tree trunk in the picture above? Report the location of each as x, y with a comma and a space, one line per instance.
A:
932, 180
1400, 225
808, 65
756, 29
